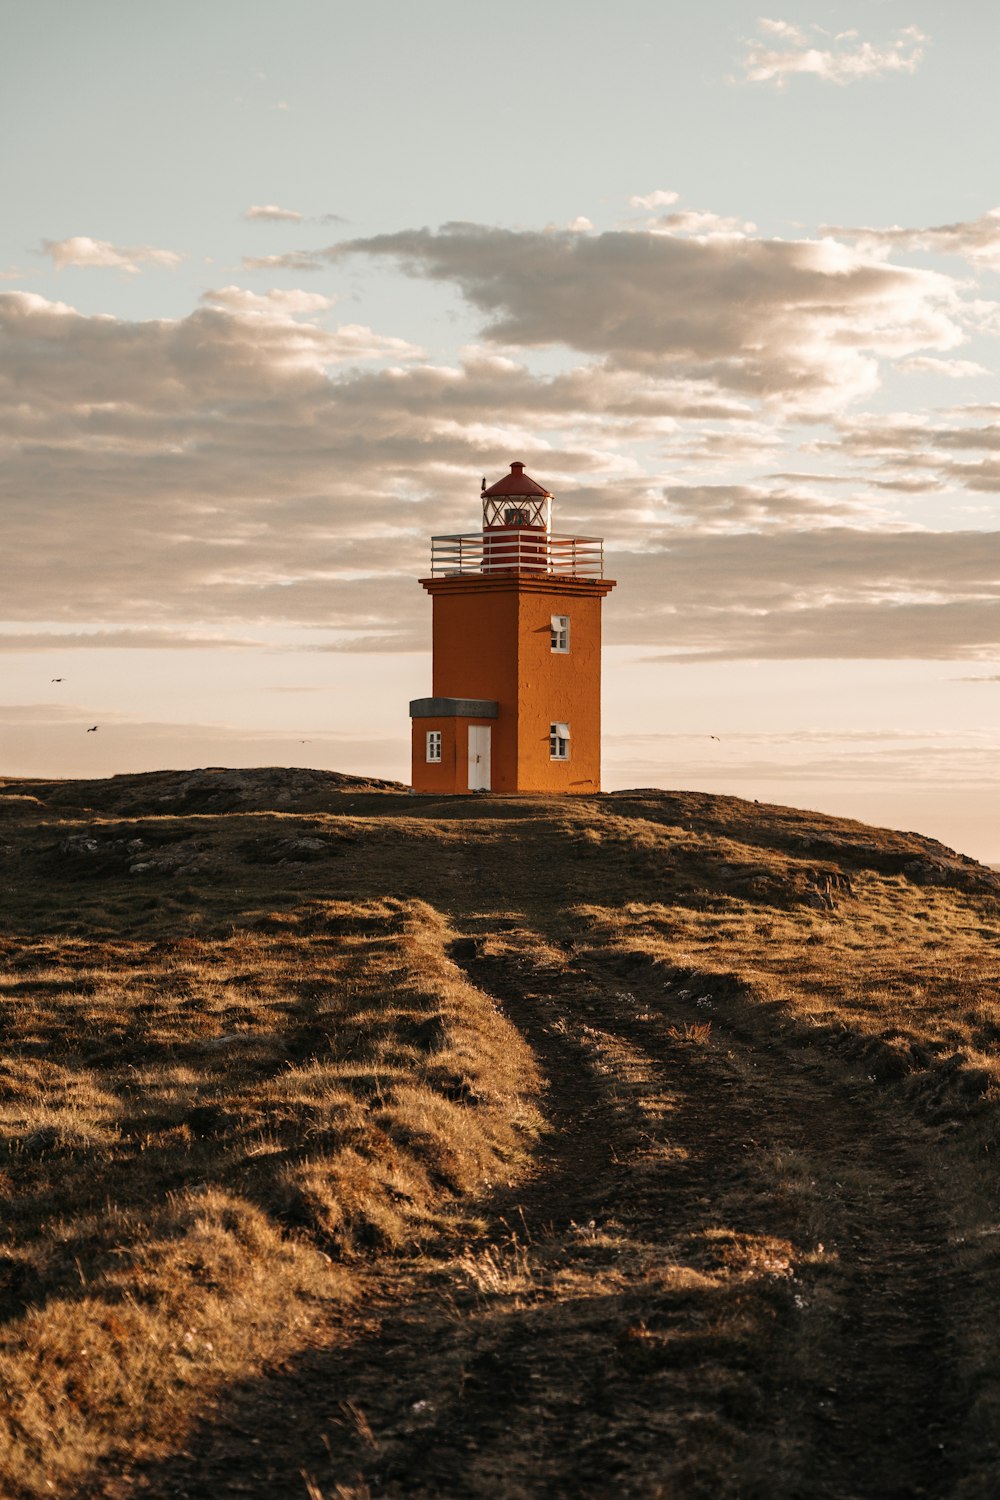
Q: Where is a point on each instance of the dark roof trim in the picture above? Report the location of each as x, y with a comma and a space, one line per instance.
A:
454, 708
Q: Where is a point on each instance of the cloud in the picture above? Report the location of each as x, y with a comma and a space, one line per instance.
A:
836, 593
275, 303
755, 507
702, 225
659, 198
228, 466
272, 213
799, 324
779, 762
843, 60
810, 737
975, 240
291, 260
138, 636
81, 250
109, 371
941, 631
954, 369
485, 382
914, 451
783, 29
222, 474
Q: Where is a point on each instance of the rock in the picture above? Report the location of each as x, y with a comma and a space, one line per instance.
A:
296, 849
466, 947
826, 886
110, 856
79, 844
957, 872
180, 858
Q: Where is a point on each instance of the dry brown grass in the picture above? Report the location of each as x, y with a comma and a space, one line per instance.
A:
239, 1061
197, 1141
906, 973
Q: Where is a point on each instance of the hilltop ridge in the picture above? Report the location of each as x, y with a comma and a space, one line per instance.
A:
633, 1142
207, 789
217, 790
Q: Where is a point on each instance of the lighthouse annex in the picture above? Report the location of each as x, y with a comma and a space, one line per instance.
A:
515, 704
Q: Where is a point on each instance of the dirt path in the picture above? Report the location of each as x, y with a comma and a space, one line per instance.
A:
727, 1277
862, 1395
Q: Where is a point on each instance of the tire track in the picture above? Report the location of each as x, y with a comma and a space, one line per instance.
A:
879, 1419
649, 1314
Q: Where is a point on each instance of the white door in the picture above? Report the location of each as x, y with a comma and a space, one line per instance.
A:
479, 757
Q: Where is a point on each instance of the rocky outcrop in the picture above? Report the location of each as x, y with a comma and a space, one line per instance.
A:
212, 789
108, 854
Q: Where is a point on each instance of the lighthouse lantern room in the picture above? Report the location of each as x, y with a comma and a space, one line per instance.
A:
516, 682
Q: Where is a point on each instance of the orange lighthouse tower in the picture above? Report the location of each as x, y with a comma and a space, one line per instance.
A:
516, 689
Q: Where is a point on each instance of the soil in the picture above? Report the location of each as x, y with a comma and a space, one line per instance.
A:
731, 1274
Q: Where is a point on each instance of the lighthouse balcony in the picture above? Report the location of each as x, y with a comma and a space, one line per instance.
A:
517, 550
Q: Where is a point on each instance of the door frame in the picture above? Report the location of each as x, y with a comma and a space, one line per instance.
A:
480, 757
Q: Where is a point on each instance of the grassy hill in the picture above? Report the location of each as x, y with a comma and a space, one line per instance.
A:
354, 1143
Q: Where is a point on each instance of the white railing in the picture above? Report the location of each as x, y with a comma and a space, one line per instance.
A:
517, 551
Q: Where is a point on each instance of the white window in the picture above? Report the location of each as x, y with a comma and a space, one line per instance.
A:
558, 742
433, 744
560, 634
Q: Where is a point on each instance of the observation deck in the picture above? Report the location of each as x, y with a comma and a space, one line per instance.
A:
509, 549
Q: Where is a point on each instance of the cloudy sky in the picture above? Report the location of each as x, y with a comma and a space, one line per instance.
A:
280, 282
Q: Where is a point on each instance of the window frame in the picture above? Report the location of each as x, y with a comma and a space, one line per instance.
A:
559, 746
432, 743
559, 637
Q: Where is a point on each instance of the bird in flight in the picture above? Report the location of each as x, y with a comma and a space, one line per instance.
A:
55, 679
92, 729
715, 737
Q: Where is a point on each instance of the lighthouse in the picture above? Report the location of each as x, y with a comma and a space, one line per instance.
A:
516, 681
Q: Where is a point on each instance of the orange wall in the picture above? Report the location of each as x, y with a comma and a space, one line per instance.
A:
566, 689
475, 656
451, 773
492, 639
433, 776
